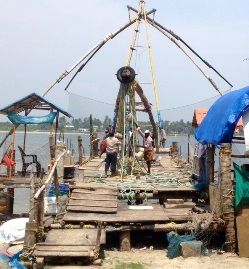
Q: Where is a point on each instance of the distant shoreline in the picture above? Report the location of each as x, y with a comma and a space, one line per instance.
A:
78, 133
40, 132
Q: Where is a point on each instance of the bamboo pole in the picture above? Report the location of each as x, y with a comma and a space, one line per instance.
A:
49, 176
101, 43
227, 196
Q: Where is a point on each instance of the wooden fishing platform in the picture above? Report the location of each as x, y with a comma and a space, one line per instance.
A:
117, 205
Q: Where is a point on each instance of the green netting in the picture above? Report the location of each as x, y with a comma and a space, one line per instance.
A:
19, 119
174, 243
242, 186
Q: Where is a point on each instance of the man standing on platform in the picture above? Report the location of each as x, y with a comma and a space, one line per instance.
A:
149, 153
112, 144
163, 137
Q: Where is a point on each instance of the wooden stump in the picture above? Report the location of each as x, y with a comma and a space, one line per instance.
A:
125, 241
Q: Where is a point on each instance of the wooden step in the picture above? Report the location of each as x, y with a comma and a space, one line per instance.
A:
50, 253
83, 237
73, 267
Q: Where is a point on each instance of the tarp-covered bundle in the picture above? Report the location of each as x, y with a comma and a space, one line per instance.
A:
19, 119
219, 124
242, 186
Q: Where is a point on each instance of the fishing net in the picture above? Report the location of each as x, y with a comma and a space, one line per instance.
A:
100, 110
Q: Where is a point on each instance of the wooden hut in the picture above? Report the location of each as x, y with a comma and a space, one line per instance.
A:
22, 112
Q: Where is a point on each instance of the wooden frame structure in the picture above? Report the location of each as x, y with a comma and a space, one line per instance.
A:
27, 104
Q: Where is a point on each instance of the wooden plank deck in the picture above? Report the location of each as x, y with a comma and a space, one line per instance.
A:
69, 243
111, 201
90, 202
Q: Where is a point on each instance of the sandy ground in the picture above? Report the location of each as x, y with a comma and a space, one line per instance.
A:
157, 259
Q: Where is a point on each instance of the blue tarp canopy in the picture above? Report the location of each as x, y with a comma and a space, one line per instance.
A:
30, 102
219, 124
19, 119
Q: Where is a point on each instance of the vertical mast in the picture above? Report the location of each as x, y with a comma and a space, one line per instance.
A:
141, 13
152, 66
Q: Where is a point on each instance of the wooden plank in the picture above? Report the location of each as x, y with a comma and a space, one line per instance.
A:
89, 203
99, 197
243, 235
93, 186
84, 237
124, 214
175, 201
62, 254
64, 248
185, 205
99, 192
92, 209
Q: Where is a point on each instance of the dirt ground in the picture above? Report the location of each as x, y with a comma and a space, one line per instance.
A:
157, 259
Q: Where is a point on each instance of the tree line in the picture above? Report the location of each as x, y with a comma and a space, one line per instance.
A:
67, 125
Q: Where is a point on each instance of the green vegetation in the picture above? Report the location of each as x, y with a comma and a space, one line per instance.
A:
129, 266
68, 125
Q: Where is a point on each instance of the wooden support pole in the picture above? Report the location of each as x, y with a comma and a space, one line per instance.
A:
10, 192
227, 196
175, 149
188, 147
91, 134
31, 196
31, 225
56, 127
51, 173
39, 212
12, 150
80, 149
99, 228
10, 202
95, 145
30, 236
210, 163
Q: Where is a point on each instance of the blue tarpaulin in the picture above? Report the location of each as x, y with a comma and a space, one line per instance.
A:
19, 119
219, 124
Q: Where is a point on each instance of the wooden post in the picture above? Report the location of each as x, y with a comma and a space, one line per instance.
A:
56, 127
210, 163
31, 226
12, 149
95, 145
91, 134
227, 196
52, 152
99, 228
80, 149
188, 146
56, 182
10, 201
10, 192
31, 195
39, 212
175, 149
25, 133
125, 241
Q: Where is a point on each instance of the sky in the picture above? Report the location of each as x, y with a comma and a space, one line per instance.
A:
41, 39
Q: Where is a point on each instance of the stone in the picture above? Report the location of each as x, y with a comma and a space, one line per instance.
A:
191, 249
